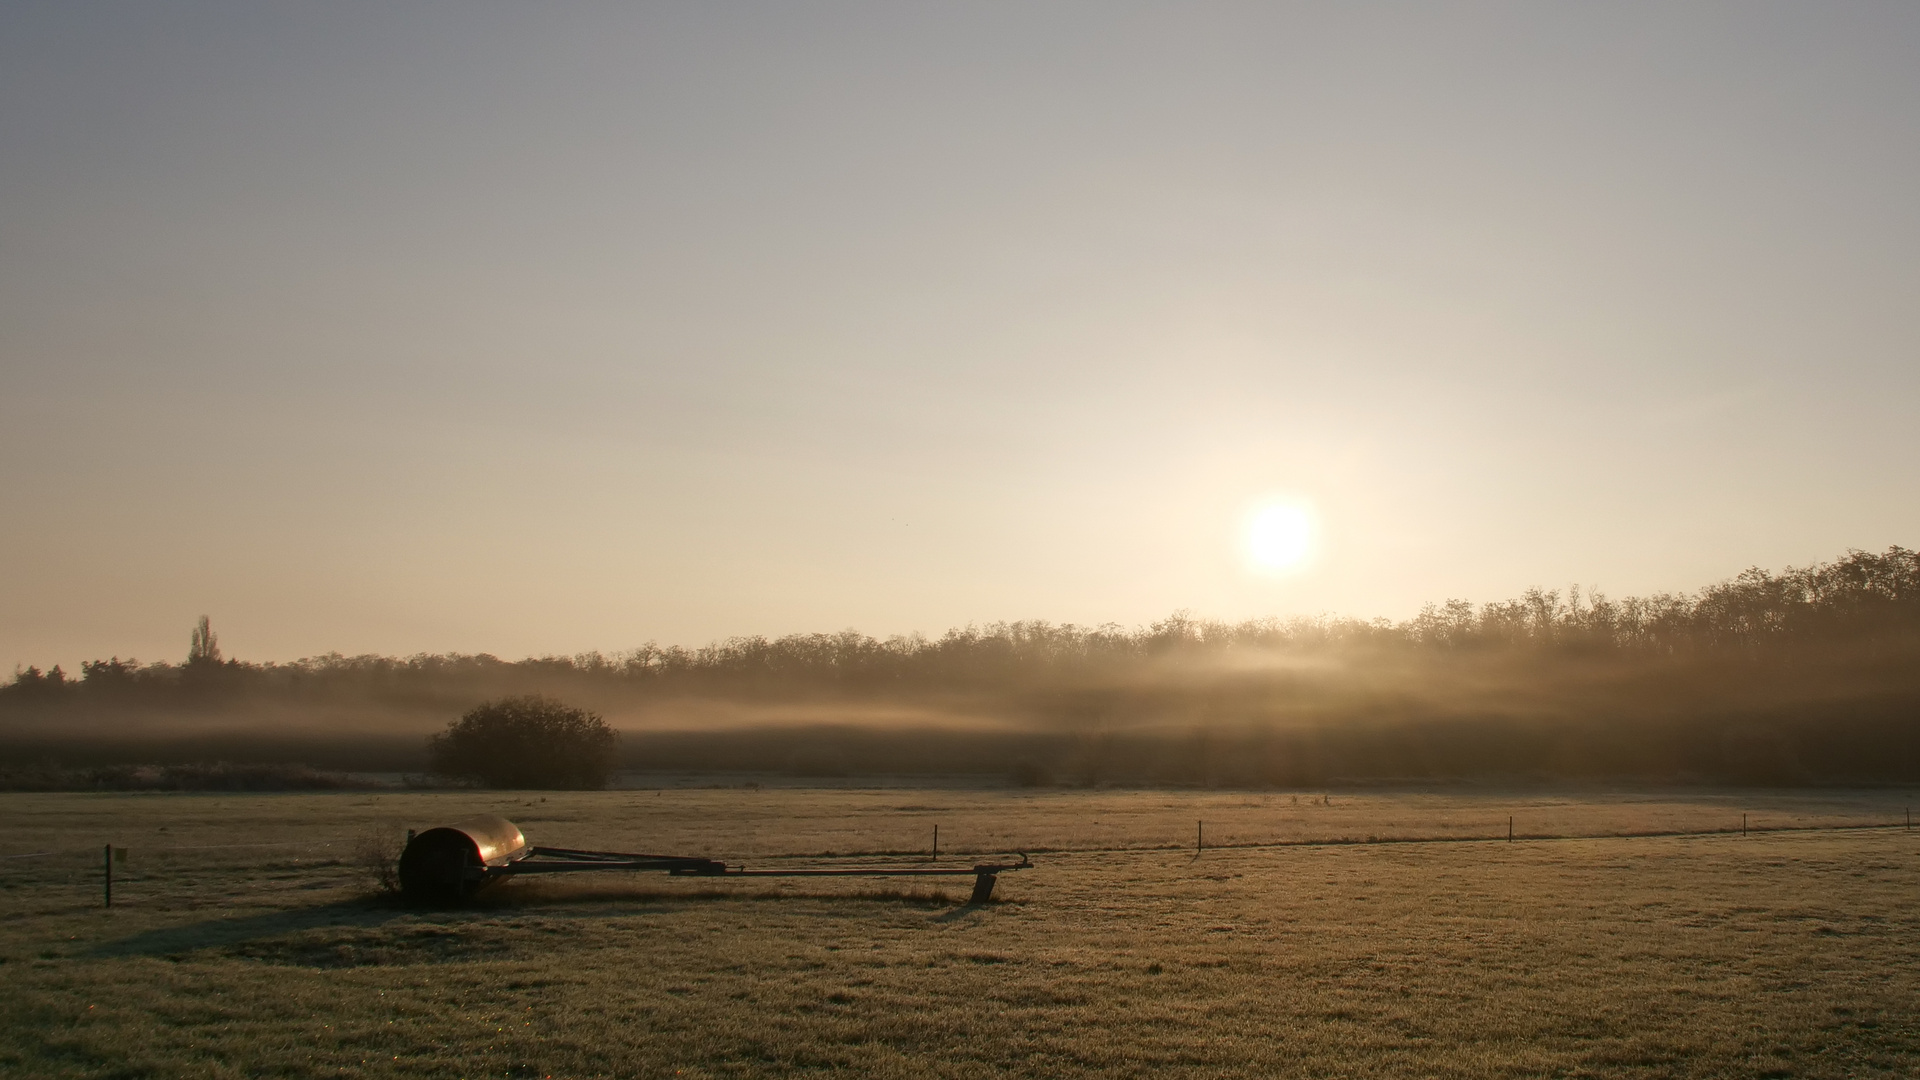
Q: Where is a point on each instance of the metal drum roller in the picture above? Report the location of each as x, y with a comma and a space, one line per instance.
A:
449, 864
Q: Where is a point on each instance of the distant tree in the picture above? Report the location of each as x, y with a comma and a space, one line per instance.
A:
526, 742
205, 648
115, 673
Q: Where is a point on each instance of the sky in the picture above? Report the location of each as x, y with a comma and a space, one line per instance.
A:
535, 329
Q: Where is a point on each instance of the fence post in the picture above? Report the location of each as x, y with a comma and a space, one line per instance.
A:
1509, 830
106, 865
1743, 824
936, 841
1199, 838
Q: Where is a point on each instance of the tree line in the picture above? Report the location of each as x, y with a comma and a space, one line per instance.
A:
1808, 675
1859, 599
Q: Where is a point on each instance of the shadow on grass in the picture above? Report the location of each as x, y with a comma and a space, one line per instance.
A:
965, 911
545, 893
366, 913
369, 914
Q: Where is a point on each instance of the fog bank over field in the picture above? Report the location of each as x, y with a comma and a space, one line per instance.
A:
1809, 675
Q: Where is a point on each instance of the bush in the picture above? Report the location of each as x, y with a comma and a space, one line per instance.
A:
526, 742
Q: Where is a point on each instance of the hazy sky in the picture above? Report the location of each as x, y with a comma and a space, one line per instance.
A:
540, 328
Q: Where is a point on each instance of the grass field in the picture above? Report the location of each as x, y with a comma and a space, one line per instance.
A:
243, 941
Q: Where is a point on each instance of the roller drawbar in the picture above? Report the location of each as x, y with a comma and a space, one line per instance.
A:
448, 865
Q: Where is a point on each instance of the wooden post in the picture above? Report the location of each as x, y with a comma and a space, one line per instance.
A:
936, 841
106, 864
982, 889
1909, 819
1199, 838
1743, 824
1509, 830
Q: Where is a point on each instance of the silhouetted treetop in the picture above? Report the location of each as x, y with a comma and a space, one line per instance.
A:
205, 647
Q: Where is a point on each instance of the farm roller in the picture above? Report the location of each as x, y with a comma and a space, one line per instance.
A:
449, 864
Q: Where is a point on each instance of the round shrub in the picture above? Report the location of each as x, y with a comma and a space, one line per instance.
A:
526, 742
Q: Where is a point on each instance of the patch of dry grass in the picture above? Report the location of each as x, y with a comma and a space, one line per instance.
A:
1782, 954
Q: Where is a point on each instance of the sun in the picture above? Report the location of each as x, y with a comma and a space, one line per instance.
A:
1279, 535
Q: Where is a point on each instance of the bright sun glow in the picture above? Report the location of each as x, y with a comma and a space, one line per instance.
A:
1279, 536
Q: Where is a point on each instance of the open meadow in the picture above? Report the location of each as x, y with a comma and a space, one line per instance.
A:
245, 939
